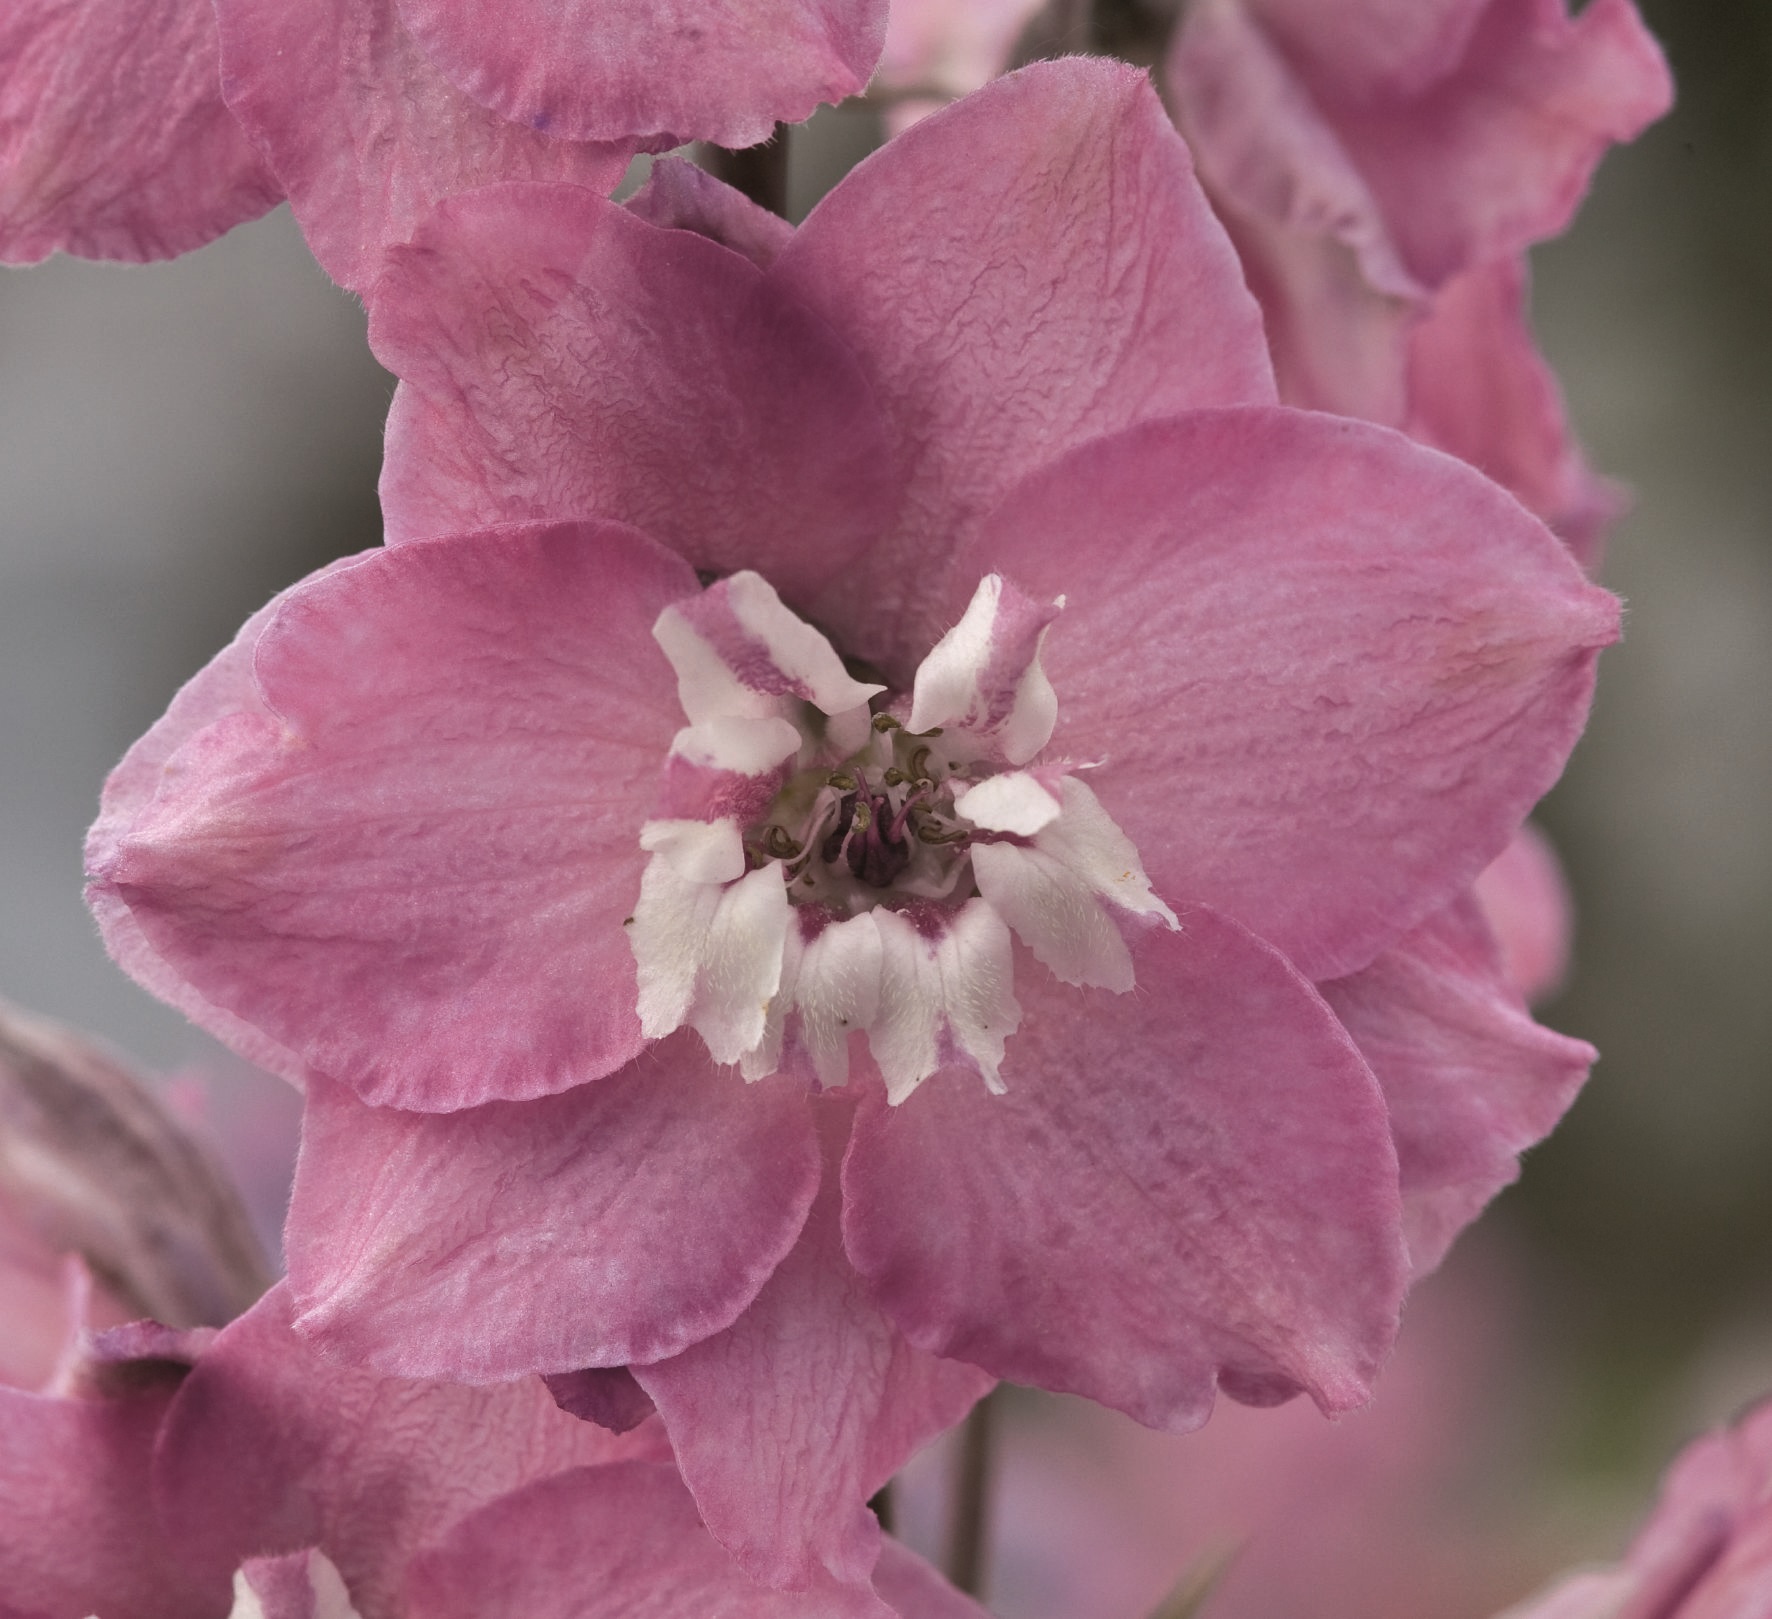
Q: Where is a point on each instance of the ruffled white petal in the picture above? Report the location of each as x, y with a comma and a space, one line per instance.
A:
1086, 840
1054, 913
1012, 802
698, 851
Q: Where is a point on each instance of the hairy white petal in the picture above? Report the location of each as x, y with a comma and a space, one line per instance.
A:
1054, 913
671, 920
1087, 841
903, 1034
977, 965
706, 685
1012, 802
838, 990
798, 650
698, 851
746, 744
331, 1599
740, 964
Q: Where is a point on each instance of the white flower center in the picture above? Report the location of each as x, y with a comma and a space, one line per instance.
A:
832, 870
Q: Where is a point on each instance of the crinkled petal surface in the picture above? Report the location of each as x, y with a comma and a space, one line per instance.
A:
1029, 268
1470, 1080
1328, 672
620, 1222
716, 70
114, 141
410, 861
270, 1449
561, 358
80, 1536
365, 133
786, 1423
1189, 1187
678, 195
620, 1540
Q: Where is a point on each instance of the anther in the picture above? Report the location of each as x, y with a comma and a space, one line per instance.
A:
885, 722
894, 777
778, 842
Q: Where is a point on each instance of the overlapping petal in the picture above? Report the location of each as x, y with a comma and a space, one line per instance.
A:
788, 1421
114, 140
423, 827
562, 358
619, 1222
364, 132
715, 70
1189, 1189
1525, 900
1021, 272
1470, 1080
1327, 672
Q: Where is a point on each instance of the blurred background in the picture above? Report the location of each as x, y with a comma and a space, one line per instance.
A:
179, 442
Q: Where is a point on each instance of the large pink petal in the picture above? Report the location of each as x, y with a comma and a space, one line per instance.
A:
679, 196
1328, 671
1476, 159
114, 141
410, 863
786, 1423
269, 1448
365, 133
156, 763
79, 1535
714, 70
1479, 388
563, 358
915, 1591
1186, 1186
1525, 900
1029, 268
1471, 1081
620, 1222
620, 1540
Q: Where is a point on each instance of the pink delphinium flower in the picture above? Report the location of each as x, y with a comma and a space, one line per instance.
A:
1383, 170
139, 129
1230, 699
1706, 1551
939, 50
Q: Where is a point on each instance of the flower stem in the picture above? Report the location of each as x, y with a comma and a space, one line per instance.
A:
968, 1529
760, 172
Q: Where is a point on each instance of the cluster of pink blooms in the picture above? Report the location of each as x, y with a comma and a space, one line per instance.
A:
931, 797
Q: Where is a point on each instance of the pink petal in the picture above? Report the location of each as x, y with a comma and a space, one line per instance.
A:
1019, 273
1185, 1187
550, 1235
623, 1538
563, 358
786, 1423
378, 865
114, 142
224, 687
1471, 1081
605, 1395
916, 1591
716, 70
679, 196
1479, 388
1328, 671
366, 134
1473, 158
80, 1534
1525, 899
269, 1448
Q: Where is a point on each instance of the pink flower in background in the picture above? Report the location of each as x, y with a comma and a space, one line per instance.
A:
1383, 170
1706, 1551
939, 50
1304, 680
1525, 897
140, 129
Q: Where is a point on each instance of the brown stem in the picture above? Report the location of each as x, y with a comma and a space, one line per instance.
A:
760, 172
969, 1528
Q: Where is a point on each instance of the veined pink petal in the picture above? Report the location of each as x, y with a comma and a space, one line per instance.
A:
1019, 273
1470, 1080
714, 70
1189, 1187
1479, 388
366, 135
615, 1540
562, 358
605, 1395
618, 1223
80, 1534
1525, 900
1327, 671
114, 142
410, 861
680, 196
787, 1422
269, 1448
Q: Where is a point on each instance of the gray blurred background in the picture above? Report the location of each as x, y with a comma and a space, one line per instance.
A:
178, 442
